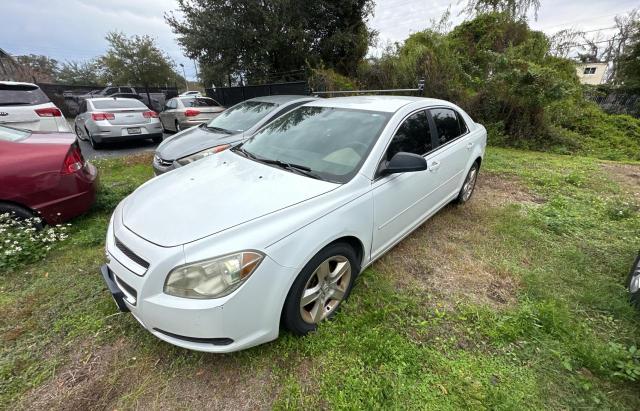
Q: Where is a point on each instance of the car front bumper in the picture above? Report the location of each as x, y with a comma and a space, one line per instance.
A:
247, 317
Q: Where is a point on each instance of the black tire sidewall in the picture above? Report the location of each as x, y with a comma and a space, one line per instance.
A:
20, 213
291, 317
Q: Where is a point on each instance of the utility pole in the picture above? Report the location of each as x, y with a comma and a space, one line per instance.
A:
186, 83
195, 65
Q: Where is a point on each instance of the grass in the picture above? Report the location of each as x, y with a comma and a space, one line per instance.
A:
513, 301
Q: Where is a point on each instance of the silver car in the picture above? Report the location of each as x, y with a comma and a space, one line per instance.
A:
183, 112
113, 119
236, 124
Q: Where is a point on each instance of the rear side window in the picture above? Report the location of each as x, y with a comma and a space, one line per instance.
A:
448, 124
119, 103
199, 102
413, 136
21, 95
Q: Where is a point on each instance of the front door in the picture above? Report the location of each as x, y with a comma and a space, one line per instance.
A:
402, 201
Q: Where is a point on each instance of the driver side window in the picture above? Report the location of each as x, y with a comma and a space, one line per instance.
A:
413, 136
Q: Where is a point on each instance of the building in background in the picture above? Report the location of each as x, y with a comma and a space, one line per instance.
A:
592, 73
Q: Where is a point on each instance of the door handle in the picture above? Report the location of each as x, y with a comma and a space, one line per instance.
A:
435, 165
469, 145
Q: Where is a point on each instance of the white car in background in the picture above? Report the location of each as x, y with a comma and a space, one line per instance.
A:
215, 255
25, 106
192, 93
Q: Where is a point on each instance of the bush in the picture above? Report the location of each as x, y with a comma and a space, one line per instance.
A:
22, 243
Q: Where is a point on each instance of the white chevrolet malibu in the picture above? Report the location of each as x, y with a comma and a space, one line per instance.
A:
216, 255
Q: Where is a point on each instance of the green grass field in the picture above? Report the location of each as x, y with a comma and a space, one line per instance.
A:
514, 301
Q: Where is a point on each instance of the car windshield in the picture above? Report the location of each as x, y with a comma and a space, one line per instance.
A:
117, 103
242, 116
21, 95
329, 143
198, 102
13, 134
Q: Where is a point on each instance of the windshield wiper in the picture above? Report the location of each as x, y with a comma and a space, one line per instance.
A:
245, 152
300, 169
220, 129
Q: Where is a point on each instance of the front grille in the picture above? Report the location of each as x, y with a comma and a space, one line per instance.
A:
132, 256
127, 289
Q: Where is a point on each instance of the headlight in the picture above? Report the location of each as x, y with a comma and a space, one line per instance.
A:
202, 154
212, 278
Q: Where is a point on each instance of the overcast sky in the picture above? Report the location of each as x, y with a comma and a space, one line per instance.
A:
75, 29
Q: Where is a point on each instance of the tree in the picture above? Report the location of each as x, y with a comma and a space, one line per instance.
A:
628, 73
136, 61
40, 68
516, 9
271, 40
80, 73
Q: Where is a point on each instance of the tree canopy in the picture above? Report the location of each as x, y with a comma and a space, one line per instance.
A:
257, 39
135, 60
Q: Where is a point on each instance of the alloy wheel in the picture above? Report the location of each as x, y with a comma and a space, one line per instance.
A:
325, 289
178, 128
469, 183
634, 284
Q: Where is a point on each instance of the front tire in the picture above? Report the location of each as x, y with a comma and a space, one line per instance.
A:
469, 184
633, 283
322, 285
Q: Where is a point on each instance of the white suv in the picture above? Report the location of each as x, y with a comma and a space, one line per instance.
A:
24, 105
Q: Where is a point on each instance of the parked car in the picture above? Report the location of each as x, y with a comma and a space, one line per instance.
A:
44, 174
24, 105
112, 119
633, 282
230, 127
192, 93
216, 255
180, 113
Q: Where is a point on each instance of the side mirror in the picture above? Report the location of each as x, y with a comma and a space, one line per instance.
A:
403, 162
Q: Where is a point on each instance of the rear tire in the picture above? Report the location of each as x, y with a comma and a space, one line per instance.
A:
20, 213
95, 145
633, 283
157, 140
469, 184
325, 282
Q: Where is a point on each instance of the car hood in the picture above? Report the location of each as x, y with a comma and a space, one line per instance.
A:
191, 141
212, 195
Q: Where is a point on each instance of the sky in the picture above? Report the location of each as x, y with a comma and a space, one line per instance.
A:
75, 29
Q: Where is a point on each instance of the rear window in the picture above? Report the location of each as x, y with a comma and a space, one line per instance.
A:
13, 134
111, 104
21, 95
199, 102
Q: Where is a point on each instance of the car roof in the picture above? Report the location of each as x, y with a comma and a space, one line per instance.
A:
18, 83
281, 99
388, 104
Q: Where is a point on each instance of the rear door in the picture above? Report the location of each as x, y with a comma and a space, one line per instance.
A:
452, 154
26, 106
167, 115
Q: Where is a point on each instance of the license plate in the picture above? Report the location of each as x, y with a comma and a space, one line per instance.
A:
134, 130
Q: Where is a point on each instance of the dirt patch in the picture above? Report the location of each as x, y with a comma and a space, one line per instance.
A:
447, 256
627, 175
84, 383
135, 159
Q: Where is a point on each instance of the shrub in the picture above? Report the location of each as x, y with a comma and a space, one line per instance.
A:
22, 243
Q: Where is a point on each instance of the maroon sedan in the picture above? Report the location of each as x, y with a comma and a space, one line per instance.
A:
44, 174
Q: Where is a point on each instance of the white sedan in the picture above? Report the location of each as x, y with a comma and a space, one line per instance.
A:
217, 254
